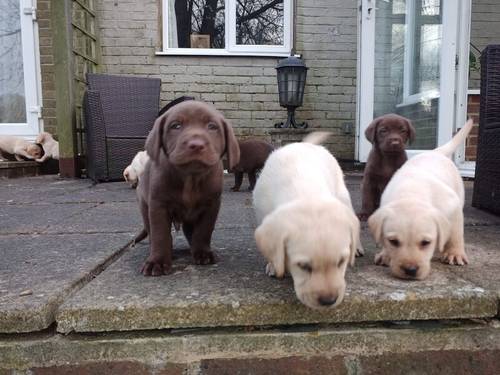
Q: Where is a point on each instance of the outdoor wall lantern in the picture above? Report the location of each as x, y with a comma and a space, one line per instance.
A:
291, 82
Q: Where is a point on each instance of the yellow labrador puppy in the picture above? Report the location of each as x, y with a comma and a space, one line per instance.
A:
421, 210
307, 225
50, 146
19, 147
134, 171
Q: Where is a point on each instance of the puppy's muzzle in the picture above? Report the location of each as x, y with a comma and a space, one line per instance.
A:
196, 145
410, 271
327, 300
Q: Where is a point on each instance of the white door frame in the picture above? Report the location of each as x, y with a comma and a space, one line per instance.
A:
31, 70
467, 168
453, 78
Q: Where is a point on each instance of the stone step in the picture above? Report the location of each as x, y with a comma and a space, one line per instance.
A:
14, 169
417, 348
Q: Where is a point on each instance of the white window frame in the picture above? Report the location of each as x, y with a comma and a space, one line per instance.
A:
31, 70
232, 49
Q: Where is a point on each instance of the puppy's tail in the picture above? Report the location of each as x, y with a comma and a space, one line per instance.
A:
449, 148
317, 138
142, 235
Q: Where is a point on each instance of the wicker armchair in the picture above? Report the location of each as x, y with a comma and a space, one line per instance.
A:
119, 113
487, 177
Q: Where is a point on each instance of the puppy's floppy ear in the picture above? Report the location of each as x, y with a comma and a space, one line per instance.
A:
271, 237
443, 229
411, 131
154, 141
232, 148
371, 130
376, 223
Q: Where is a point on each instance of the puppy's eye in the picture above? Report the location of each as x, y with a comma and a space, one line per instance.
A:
212, 126
394, 242
425, 243
403, 130
341, 262
175, 125
382, 130
306, 267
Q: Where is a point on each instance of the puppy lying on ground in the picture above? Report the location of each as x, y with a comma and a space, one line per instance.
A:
421, 210
182, 183
307, 225
253, 155
50, 146
388, 135
134, 171
19, 148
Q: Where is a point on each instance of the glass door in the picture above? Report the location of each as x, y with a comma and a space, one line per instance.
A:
409, 67
19, 108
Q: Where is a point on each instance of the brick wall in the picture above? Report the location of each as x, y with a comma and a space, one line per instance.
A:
47, 66
244, 88
471, 142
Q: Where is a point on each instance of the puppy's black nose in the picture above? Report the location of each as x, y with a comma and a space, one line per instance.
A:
196, 145
410, 270
327, 300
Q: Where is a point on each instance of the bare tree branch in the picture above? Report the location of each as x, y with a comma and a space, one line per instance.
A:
259, 11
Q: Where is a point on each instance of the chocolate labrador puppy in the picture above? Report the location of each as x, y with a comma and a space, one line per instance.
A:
388, 134
182, 183
253, 155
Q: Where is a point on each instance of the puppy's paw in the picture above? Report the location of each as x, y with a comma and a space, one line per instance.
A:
154, 266
204, 257
458, 258
360, 251
234, 188
270, 271
382, 259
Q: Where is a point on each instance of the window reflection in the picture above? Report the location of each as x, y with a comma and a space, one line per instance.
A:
259, 22
12, 100
196, 23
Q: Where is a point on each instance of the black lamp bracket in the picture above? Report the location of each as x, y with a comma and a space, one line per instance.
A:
290, 121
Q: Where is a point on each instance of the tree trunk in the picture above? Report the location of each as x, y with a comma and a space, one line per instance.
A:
183, 18
208, 21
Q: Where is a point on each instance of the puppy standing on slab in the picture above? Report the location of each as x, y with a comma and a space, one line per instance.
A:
253, 155
182, 182
307, 225
19, 148
422, 210
388, 135
50, 146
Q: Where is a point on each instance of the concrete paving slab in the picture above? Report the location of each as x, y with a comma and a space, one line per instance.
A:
236, 292
38, 272
99, 193
37, 189
36, 218
110, 217
483, 252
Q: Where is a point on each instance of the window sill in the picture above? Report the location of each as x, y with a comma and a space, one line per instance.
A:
211, 52
418, 98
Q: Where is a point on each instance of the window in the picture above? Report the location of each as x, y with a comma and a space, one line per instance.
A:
416, 50
227, 27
